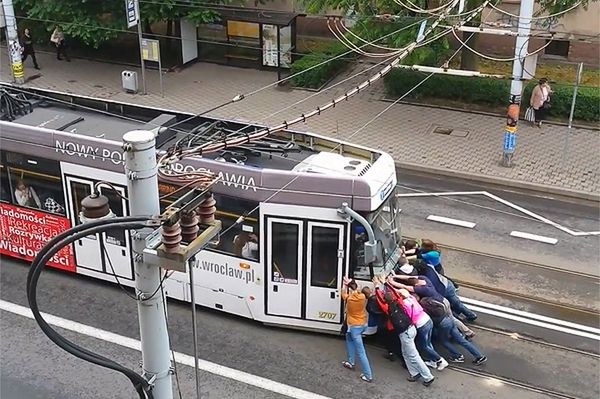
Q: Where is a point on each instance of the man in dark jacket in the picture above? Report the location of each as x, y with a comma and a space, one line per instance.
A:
28, 48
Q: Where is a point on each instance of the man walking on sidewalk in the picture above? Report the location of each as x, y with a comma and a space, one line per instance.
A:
28, 48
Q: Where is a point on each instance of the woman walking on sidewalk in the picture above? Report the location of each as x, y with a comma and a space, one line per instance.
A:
28, 48
540, 100
58, 38
356, 319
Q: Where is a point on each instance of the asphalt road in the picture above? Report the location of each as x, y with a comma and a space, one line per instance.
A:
33, 366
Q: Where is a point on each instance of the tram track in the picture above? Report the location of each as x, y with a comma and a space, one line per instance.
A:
576, 273
512, 382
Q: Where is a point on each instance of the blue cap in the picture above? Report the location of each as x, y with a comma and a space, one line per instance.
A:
431, 257
359, 229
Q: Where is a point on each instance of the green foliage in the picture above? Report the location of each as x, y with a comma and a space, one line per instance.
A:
316, 77
93, 22
490, 91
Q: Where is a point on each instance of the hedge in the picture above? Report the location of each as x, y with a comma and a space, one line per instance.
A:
316, 77
491, 91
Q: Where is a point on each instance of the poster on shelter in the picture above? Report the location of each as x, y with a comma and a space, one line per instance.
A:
269, 38
23, 232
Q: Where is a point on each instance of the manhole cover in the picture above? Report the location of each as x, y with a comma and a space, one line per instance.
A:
450, 131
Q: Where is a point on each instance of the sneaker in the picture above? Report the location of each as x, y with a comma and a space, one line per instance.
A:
413, 378
390, 356
428, 383
458, 359
365, 378
442, 364
471, 319
348, 365
480, 360
431, 364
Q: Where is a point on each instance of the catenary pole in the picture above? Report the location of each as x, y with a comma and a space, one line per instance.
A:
516, 86
142, 183
14, 47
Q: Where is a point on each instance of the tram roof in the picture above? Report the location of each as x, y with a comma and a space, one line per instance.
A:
108, 120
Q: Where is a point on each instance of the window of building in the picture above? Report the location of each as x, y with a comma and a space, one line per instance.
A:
557, 48
35, 183
284, 252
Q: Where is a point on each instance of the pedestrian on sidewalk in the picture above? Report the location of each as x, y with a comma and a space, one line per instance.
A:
28, 50
58, 38
540, 100
356, 319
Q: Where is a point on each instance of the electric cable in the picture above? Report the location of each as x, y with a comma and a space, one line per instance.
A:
557, 14
39, 262
471, 49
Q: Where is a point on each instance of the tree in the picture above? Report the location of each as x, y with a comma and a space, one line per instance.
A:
94, 22
371, 29
469, 61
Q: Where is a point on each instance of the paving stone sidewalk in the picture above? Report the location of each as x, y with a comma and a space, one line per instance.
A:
473, 150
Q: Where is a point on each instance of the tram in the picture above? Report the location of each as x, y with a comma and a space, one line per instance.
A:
315, 209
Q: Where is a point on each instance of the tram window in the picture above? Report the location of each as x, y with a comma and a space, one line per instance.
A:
35, 183
242, 240
284, 250
324, 257
4, 185
79, 191
116, 204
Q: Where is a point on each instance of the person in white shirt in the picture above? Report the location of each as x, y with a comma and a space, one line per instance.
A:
26, 196
246, 245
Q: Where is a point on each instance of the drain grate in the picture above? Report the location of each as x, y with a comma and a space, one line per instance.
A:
443, 130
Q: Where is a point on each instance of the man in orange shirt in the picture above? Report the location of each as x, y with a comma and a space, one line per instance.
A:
356, 319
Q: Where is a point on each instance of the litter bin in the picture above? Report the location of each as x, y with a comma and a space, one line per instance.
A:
130, 81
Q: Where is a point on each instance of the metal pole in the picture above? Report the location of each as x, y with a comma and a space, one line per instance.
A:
567, 136
139, 29
516, 86
14, 47
142, 183
162, 91
194, 325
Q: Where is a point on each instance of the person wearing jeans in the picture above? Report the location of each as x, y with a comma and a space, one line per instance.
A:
415, 364
456, 304
445, 330
356, 319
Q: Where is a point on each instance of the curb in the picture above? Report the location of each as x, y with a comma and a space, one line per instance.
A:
501, 181
548, 122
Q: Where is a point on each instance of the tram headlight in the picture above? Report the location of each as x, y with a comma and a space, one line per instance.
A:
95, 207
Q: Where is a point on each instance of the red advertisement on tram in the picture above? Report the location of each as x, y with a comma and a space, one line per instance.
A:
23, 232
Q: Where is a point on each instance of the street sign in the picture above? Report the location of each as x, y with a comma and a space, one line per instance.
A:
132, 12
510, 139
150, 50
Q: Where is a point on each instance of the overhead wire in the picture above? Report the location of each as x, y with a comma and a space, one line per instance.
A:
212, 147
557, 14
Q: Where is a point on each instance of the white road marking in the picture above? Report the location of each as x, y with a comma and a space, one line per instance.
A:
456, 222
535, 323
507, 203
534, 237
204, 365
529, 315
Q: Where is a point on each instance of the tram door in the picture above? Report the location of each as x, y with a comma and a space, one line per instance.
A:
324, 270
107, 253
305, 262
285, 254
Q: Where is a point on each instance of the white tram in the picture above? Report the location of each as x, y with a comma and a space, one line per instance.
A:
283, 265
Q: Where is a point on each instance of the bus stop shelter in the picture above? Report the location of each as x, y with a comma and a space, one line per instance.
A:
251, 38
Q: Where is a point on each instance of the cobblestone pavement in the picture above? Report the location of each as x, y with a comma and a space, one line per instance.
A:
407, 132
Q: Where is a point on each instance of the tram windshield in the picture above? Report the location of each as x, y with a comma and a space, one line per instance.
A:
386, 226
